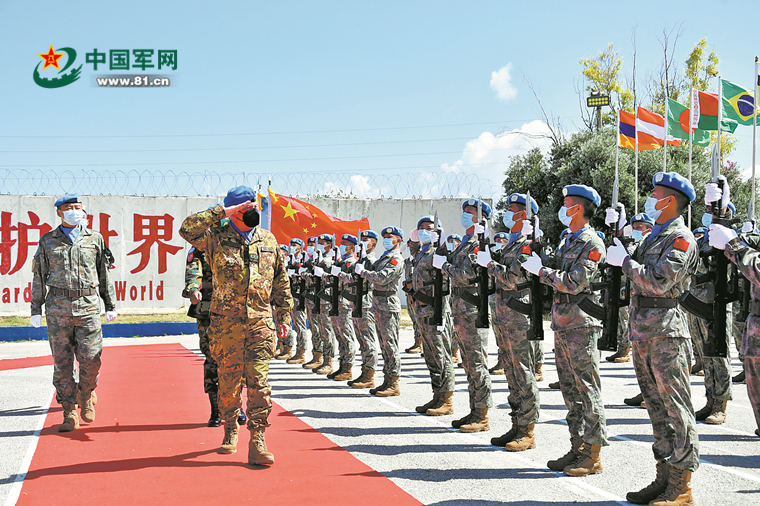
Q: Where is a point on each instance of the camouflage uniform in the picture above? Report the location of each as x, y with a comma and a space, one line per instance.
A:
310, 294
198, 277
326, 330
70, 280
248, 278
384, 275
365, 327
570, 271
342, 324
410, 306
743, 252
436, 343
298, 335
513, 327
661, 267
473, 341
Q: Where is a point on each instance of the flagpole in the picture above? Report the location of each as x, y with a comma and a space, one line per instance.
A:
617, 146
636, 165
756, 80
691, 141
665, 141
720, 123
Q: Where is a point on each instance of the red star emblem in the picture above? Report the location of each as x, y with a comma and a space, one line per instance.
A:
51, 58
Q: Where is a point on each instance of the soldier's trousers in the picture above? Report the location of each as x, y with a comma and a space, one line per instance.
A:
538, 352
624, 340
717, 370
436, 347
210, 368
298, 334
316, 336
501, 345
738, 331
243, 347
519, 368
326, 332
751, 350
413, 317
578, 368
387, 324
663, 371
366, 334
344, 332
70, 337
473, 344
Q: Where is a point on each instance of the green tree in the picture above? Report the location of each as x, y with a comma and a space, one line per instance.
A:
603, 75
528, 172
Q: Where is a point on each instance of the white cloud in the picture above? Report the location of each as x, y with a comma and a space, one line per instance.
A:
501, 83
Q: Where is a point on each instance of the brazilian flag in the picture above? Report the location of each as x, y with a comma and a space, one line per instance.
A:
738, 103
678, 124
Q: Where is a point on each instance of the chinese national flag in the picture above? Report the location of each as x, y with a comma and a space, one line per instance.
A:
293, 218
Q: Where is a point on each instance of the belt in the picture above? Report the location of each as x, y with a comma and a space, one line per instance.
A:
467, 296
73, 294
505, 294
206, 285
380, 293
659, 302
567, 298
754, 307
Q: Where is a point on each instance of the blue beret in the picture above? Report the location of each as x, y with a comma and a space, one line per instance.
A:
429, 219
350, 238
311, 239
369, 234
393, 230
326, 237
454, 236
284, 247
600, 234
675, 181
641, 217
297, 241
238, 195
66, 199
501, 235
474, 203
581, 190
521, 198
700, 230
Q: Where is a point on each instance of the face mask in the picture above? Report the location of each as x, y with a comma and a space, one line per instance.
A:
450, 246
497, 247
637, 235
321, 248
251, 218
310, 250
293, 250
73, 216
425, 236
342, 250
466, 220
707, 219
649, 208
508, 219
388, 243
564, 218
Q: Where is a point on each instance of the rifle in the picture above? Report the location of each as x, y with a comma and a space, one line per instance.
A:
438, 290
317, 282
358, 283
716, 344
297, 288
483, 279
334, 297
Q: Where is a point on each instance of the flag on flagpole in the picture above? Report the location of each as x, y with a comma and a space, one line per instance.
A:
627, 130
705, 112
678, 124
289, 217
738, 103
650, 129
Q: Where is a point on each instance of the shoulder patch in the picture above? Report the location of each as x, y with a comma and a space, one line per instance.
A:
526, 249
394, 262
594, 255
476, 249
190, 255
681, 244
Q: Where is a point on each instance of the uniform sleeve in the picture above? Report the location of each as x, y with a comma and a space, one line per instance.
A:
193, 277
389, 275
281, 296
509, 275
580, 275
672, 267
39, 275
745, 258
461, 275
195, 228
106, 288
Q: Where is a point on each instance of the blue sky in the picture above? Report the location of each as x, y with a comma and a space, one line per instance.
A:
352, 87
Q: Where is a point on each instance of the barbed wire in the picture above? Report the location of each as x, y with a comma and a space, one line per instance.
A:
296, 184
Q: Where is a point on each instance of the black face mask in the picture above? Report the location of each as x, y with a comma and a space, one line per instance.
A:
251, 218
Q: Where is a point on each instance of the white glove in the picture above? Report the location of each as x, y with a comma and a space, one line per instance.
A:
111, 316
301, 270
440, 328
364, 253
335, 270
358, 268
36, 320
438, 261
533, 264
434, 238
748, 227
480, 229
617, 254
611, 217
291, 272
527, 229
484, 258
719, 236
714, 193
319, 272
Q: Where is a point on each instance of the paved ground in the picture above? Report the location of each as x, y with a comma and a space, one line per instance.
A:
425, 456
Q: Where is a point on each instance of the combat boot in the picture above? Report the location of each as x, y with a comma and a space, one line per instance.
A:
278, 349
741, 377
539, 372
718, 413
215, 419
524, 440
455, 357
623, 354
257, 450
507, 436
497, 370
326, 367
588, 462
416, 347
654, 489
229, 443
391, 390
382, 386
242, 420
70, 417
285, 354
703, 413
344, 373
464, 420
697, 368
315, 362
334, 373
444, 406
569, 457
678, 492
423, 409
554, 386
365, 380
635, 400
478, 422
87, 406
298, 358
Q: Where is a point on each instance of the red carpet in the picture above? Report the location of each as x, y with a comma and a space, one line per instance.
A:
23, 363
149, 445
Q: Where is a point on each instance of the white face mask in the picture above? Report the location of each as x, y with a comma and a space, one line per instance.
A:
73, 216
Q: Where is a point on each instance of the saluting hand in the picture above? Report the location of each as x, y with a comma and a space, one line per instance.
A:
240, 208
